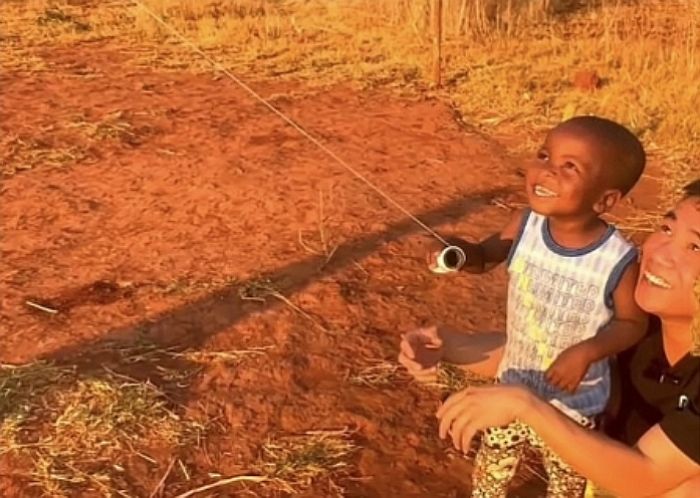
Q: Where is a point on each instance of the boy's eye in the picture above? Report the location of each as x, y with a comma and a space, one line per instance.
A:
665, 229
695, 247
570, 166
542, 156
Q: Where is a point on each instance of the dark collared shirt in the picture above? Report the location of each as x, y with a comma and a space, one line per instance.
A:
654, 392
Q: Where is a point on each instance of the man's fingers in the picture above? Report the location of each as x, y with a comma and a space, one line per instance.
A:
458, 426
449, 402
447, 415
463, 430
468, 434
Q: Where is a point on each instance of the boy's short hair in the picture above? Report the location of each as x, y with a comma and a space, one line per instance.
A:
628, 157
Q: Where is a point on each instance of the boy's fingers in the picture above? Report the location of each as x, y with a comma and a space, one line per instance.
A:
558, 382
410, 364
407, 349
418, 371
423, 371
426, 375
430, 337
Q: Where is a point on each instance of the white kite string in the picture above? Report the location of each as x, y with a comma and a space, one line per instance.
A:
289, 121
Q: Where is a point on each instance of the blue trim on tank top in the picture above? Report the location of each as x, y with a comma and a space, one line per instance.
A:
553, 246
518, 236
616, 275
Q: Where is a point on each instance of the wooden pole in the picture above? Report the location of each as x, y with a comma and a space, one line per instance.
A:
436, 25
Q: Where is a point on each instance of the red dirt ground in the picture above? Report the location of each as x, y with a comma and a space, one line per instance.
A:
158, 231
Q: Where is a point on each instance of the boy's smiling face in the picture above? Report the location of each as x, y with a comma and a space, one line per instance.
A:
568, 178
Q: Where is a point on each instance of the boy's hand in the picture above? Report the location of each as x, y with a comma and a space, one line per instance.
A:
435, 248
420, 352
431, 258
570, 367
432, 254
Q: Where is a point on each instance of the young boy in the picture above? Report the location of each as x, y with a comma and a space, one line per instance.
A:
570, 293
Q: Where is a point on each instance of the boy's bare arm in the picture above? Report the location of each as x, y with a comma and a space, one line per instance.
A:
493, 250
629, 324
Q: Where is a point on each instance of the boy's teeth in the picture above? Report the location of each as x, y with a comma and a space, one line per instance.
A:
541, 191
656, 280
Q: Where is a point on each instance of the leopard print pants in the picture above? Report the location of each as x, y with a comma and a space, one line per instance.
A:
498, 457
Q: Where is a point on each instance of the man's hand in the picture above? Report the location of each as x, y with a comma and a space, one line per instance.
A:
570, 367
477, 408
420, 352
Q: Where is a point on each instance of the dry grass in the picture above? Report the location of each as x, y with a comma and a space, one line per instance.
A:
260, 289
69, 141
79, 433
378, 374
227, 357
20, 153
186, 285
509, 65
451, 378
509, 68
20, 385
322, 247
292, 463
116, 125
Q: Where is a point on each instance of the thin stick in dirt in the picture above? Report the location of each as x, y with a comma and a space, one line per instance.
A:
296, 308
41, 307
222, 482
160, 486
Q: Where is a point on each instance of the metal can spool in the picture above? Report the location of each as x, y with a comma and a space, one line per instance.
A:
450, 259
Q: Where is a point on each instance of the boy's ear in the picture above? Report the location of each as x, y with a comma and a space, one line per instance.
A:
607, 201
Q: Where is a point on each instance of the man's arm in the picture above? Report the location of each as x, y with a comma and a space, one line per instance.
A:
653, 467
656, 465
